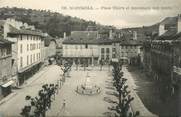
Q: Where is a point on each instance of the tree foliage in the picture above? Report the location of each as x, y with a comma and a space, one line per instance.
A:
52, 22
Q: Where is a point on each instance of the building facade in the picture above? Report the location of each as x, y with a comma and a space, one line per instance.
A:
28, 55
127, 51
5, 66
81, 53
162, 55
88, 47
27, 50
50, 49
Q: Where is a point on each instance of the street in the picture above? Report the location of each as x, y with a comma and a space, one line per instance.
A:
152, 97
76, 104
48, 75
84, 105
67, 101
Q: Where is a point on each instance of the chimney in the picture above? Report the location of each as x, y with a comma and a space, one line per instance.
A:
119, 35
64, 35
110, 34
162, 29
134, 35
98, 35
179, 24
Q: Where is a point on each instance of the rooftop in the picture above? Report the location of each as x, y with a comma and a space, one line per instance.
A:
84, 34
48, 39
5, 42
80, 41
127, 42
169, 20
13, 30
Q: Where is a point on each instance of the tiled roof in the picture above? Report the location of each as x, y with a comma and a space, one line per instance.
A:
83, 37
48, 39
80, 41
170, 35
13, 30
101, 41
84, 34
5, 42
127, 42
87, 41
169, 20
167, 35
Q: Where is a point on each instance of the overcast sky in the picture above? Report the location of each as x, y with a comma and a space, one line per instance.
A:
119, 18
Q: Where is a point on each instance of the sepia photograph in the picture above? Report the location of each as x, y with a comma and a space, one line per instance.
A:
90, 58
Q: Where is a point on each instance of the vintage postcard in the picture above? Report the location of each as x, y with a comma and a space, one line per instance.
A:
90, 58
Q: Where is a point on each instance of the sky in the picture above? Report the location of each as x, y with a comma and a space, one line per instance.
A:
119, 13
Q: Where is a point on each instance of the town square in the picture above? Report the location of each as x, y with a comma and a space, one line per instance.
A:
84, 58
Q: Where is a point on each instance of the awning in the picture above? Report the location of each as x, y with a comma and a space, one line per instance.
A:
28, 67
8, 84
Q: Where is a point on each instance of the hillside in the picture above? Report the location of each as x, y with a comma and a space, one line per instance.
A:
52, 22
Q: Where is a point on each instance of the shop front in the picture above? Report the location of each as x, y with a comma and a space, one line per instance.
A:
28, 72
6, 88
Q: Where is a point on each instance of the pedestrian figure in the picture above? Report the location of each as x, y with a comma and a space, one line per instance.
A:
64, 103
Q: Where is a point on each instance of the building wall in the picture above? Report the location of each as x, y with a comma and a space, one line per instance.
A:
126, 52
162, 55
105, 52
129, 51
177, 63
5, 64
43, 50
29, 51
147, 57
80, 50
14, 55
51, 49
16, 24
59, 47
162, 29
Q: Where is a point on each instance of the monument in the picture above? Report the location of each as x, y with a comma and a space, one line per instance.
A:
88, 88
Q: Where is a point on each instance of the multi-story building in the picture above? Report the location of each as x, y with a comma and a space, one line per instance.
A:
162, 54
59, 48
81, 51
127, 49
147, 57
5, 67
87, 47
50, 48
27, 50
105, 51
177, 61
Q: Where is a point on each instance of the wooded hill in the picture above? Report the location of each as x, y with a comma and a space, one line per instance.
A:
53, 23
